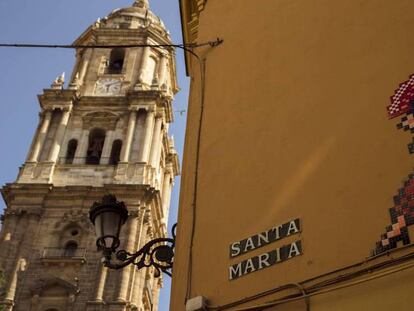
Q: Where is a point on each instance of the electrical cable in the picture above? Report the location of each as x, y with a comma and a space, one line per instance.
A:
283, 287
202, 68
186, 47
197, 161
324, 291
314, 289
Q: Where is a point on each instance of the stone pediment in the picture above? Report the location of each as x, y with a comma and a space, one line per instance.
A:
100, 119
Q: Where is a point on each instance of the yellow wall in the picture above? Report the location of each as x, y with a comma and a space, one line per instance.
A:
295, 125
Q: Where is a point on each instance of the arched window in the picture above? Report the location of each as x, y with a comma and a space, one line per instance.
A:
96, 142
116, 61
70, 153
115, 152
70, 249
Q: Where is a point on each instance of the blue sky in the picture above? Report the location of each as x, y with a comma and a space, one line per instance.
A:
26, 72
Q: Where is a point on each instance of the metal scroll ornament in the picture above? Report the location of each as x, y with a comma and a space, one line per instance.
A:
158, 253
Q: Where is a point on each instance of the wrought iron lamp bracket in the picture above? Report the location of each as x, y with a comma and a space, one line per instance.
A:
158, 253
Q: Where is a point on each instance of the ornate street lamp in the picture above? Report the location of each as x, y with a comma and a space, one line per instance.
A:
108, 216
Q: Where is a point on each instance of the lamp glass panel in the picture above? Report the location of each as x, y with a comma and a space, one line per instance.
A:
98, 226
110, 223
109, 241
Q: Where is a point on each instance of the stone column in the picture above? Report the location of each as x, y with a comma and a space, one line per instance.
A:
60, 132
159, 150
80, 154
107, 147
85, 62
101, 284
143, 65
155, 145
149, 127
41, 136
126, 147
162, 69
129, 246
166, 195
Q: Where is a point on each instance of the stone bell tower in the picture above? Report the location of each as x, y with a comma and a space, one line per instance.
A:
106, 132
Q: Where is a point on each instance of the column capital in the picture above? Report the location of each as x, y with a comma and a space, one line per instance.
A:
151, 109
134, 108
168, 170
134, 213
158, 115
66, 108
46, 111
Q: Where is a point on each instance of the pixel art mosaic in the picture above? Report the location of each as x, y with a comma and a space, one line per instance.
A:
402, 216
402, 213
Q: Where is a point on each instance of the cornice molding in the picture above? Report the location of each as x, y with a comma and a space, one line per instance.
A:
191, 10
190, 13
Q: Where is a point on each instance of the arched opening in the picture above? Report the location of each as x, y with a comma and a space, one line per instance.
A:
115, 152
70, 249
116, 61
96, 142
70, 153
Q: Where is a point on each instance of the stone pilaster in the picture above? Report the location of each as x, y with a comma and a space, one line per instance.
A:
12, 286
60, 132
139, 280
140, 242
126, 147
129, 246
101, 284
41, 136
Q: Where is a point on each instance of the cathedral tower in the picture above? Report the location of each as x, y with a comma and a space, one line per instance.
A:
106, 132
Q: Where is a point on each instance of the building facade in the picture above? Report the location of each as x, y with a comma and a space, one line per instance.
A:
297, 187
105, 133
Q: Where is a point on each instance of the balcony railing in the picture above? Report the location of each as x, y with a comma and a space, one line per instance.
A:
59, 253
88, 160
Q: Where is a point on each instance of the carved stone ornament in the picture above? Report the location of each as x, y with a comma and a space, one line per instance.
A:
75, 217
59, 82
74, 85
37, 212
45, 283
141, 4
101, 119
